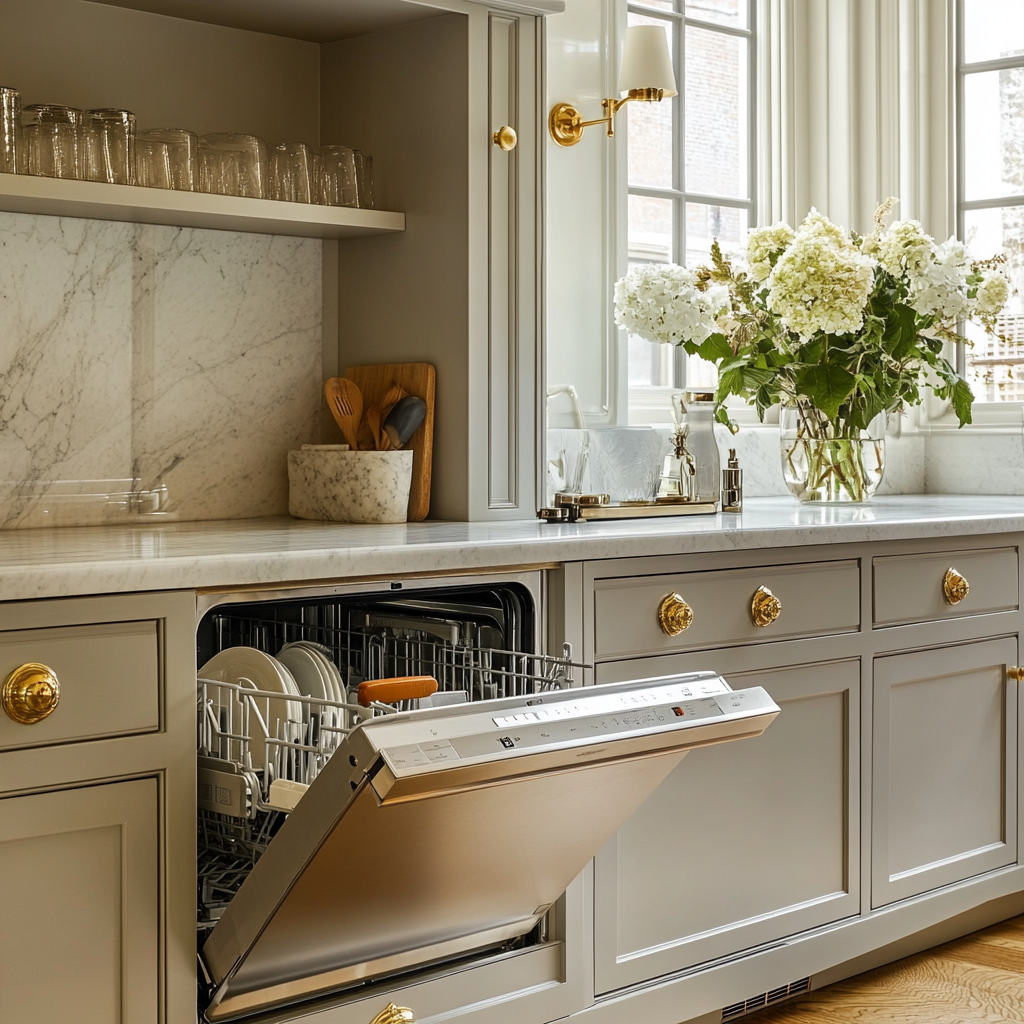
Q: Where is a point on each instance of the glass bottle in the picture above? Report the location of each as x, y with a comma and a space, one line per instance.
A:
697, 411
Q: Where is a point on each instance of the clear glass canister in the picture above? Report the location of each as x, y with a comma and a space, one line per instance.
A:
697, 413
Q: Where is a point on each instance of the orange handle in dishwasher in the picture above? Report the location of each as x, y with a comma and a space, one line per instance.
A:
388, 691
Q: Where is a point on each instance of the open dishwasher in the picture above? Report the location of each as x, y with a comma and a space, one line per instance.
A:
359, 825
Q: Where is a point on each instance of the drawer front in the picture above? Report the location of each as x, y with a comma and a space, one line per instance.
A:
909, 588
109, 678
816, 600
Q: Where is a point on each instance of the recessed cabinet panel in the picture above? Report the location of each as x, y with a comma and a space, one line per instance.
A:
909, 588
945, 781
740, 845
79, 918
815, 599
109, 677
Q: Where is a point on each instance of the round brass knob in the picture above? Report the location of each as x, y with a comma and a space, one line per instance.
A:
674, 615
30, 693
954, 586
765, 608
1015, 673
392, 1014
505, 138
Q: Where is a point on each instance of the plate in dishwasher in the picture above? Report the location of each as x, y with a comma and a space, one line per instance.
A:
433, 833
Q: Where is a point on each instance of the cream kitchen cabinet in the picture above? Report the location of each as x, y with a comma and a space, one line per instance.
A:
97, 813
445, 270
881, 803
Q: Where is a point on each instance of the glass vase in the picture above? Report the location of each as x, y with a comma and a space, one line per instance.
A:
825, 463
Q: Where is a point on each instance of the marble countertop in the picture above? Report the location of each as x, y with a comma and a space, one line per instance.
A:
259, 552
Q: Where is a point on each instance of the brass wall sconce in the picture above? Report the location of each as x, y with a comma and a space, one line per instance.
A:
646, 75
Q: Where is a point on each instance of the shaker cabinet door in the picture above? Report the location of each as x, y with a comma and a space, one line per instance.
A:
743, 843
945, 767
79, 906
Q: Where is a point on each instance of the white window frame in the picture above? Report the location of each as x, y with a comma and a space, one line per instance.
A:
987, 417
651, 405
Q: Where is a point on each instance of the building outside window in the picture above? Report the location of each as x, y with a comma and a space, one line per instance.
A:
990, 179
690, 164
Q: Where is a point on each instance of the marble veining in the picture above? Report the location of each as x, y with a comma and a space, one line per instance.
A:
181, 362
265, 552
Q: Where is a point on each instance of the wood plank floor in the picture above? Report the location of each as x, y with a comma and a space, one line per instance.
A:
977, 978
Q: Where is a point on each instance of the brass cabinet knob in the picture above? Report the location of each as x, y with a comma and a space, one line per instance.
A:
674, 615
765, 607
1014, 672
392, 1014
505, 138
30, 693
954, 586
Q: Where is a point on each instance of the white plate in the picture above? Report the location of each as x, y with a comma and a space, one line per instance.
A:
236, 664
308, 671
335, 682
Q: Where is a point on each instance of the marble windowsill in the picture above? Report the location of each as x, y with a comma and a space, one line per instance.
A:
264, 552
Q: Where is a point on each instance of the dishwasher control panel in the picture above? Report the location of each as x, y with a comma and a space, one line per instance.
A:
579, 718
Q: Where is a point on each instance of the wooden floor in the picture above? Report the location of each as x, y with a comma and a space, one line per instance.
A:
977, 978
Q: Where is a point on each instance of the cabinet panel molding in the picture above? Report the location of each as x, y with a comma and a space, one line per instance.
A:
740, 845
944, 798
79, 880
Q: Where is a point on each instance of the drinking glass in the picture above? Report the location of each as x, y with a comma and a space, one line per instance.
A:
364, 180
231, 164
51, 137
10, 125
182, 149
291, 172
110, 146
152, 163
336, 176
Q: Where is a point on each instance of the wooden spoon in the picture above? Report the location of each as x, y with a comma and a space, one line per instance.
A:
345, 401
373, 422
394, 395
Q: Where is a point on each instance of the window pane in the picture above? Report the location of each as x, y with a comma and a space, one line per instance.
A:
661, 5
706, 223
716, 113
650, 363
650, 230
993, 29
650, 129
993, 379
722, 12
994, 134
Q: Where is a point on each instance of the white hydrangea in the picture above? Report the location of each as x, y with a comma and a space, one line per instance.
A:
762, 244
661, 302
904, 248
992, 294
822, 282
940, 287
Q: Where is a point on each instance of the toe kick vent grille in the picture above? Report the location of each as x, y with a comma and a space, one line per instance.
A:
776, 995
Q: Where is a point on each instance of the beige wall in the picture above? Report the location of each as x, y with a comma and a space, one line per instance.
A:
170, 72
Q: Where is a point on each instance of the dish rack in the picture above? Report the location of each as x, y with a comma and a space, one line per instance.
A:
253, 765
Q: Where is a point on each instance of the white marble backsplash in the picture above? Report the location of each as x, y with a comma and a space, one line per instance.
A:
172, 365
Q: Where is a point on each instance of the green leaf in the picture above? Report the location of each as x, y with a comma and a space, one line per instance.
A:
962, 397
827, 386
714, 348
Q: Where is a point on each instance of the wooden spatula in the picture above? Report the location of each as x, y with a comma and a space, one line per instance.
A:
345, 401
387, 691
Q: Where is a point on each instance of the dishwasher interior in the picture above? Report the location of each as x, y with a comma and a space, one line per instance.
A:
258, 752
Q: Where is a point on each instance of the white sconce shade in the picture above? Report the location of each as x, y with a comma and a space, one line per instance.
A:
646, 63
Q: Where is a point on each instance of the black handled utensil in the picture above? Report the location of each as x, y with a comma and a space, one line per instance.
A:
406, 415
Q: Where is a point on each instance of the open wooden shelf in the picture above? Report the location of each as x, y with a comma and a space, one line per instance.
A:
94, 200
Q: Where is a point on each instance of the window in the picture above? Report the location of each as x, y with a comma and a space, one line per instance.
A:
690, 162
990, 179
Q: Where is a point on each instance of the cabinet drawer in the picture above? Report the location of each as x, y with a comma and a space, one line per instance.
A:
909, 588
816, 599
109, 678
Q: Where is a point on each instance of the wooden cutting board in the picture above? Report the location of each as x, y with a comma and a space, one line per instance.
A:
418, 379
